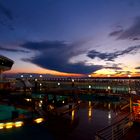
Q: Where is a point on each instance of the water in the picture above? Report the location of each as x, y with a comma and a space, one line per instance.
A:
80, 124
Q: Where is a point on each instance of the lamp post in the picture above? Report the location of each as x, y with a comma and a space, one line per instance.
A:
58, 85
89, 78
108, 88
129, 91
72, 83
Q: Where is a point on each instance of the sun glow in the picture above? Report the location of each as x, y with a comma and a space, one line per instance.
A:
115, 73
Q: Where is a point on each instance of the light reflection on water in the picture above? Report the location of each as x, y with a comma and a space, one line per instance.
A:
92, 119
80, 124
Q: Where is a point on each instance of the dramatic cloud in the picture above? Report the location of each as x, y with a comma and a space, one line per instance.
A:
55, 55
13, 50
114, 66
111, 56
133, 32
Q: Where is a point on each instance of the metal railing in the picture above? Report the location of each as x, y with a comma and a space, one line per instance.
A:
117, 130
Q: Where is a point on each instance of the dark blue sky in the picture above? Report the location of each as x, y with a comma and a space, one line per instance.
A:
73, 36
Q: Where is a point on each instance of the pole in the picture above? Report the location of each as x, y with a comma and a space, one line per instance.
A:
130, 98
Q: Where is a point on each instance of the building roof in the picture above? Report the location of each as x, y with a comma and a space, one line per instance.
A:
5, 63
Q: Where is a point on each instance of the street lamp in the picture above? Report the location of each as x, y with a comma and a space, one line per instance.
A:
129, 91
72, 82
58, 85
109, 88
89, 86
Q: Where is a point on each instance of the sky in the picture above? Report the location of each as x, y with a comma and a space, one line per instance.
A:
71, 37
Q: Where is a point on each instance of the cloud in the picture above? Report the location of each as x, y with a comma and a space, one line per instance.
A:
114, 68
111, 56
116, 33
13, 50
55, 55
6, 12
132, 33
137, 67
6, 17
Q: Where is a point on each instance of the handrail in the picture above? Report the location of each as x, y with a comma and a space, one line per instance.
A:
114, 123
116, 130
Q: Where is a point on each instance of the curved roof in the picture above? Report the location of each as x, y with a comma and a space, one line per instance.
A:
5, 63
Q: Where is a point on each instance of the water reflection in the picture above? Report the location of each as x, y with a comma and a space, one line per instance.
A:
89, 110
72, 115
80, 123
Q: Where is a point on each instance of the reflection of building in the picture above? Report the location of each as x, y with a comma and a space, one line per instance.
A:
5, 64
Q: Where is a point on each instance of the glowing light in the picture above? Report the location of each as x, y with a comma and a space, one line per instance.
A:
129, 75
89, 112
1, 125
109, 106
51, 107
72, 115
39, 120
108, 87
18, 124
89, 86
28, 100
40, 84
21, 76
58, 84
72, 80
79, 102
89, 103
40, 76
31, 76
35, 79
89, 75
63, 102
9, 125
40, 104
109, 115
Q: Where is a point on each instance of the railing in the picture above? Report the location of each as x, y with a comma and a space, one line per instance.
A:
117, 130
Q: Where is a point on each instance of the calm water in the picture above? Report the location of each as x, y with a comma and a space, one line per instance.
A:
80, 124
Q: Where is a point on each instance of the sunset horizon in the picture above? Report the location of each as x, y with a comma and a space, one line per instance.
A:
71, 37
